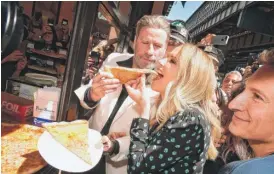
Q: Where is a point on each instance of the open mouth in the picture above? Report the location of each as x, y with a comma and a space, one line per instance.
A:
158, 76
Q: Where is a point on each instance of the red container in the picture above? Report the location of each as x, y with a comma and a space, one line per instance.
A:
16, 107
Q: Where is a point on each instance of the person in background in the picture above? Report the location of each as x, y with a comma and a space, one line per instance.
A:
231, 82
12, 66
104, 49
179, 35
50, 37
253, 121
59, 34
96, 58
178, 136
230, 147
66, 37
36, 25
265, 56
14, 62
112, 109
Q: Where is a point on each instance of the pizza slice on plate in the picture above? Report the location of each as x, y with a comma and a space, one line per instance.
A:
73, 136
127, 74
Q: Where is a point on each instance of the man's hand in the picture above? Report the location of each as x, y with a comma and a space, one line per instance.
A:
102, 84
13, 57
115, 135
108, 145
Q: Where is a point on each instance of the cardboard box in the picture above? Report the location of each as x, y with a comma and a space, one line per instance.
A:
46, 102
21, 89
16, 107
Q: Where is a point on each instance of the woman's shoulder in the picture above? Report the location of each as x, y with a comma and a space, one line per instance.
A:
189, 116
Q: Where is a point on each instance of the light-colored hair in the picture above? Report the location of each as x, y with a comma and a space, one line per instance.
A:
267, 57
103, 47
153, 21
193, 88
234, 72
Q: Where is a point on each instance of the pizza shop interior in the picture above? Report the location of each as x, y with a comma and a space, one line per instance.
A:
44, 58
35, 63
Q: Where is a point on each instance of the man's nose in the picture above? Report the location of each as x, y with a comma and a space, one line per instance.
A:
161, 62
150, 50
238, 103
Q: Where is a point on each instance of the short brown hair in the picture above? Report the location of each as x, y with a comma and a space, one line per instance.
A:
154, 21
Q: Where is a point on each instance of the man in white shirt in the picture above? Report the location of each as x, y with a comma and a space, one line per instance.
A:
113, 109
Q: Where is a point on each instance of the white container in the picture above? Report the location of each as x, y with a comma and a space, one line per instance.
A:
46, 102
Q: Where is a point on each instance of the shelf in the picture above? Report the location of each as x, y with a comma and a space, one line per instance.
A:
50, 54
38, 68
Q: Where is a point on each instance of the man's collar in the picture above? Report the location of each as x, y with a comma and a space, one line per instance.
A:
126, 63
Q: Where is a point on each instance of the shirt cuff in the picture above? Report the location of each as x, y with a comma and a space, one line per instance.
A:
88, 100
116, 148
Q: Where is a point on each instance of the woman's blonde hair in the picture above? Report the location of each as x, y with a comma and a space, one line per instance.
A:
194, 87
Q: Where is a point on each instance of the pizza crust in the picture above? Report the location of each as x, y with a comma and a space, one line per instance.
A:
127, 74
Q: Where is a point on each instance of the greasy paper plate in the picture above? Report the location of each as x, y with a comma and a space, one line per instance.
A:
61, 158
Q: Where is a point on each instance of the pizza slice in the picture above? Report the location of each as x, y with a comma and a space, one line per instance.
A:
73, 136
127, 74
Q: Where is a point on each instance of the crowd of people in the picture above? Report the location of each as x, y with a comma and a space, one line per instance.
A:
44, 34
181, 121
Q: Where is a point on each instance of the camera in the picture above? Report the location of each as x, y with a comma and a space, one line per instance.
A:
12, 28
95, 56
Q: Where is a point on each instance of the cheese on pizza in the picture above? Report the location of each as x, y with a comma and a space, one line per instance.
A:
19, 153
73, 136
127, 74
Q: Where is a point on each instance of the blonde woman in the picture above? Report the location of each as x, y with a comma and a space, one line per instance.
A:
180, 140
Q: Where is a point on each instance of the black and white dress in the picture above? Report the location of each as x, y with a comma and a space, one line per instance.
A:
180, 146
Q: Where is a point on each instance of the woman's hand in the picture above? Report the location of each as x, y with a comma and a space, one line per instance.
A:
137, 91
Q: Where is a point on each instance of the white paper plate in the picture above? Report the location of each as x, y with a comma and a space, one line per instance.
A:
59, 157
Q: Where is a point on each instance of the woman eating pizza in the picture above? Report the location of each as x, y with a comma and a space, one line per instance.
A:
176, 134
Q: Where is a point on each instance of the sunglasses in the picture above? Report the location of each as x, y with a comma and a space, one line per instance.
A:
174, 42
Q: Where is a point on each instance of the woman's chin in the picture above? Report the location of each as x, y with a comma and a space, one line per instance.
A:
155, 86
